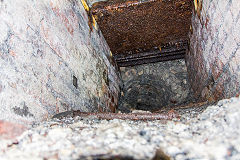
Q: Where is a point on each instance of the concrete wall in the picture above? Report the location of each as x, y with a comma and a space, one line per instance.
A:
155, 85
44, 46
213, 60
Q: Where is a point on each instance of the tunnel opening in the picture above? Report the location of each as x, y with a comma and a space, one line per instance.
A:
154, 86
149, 41
146, 34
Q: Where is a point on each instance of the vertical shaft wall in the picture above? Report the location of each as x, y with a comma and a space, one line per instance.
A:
53, 58
213, 60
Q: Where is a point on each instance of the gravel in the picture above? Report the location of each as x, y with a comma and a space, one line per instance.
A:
213, 134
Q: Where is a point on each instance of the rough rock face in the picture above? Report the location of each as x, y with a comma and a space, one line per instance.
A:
152, 86
51, 61
214, 56
213, 134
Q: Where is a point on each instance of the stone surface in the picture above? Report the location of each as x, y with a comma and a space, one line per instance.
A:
213, 134
153, 86
44, 47
213, 59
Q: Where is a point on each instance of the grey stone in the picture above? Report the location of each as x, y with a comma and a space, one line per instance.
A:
23, 110
152, 86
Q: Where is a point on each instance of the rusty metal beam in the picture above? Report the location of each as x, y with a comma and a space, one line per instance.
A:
164, 53
124, 116
151, 60
128, 116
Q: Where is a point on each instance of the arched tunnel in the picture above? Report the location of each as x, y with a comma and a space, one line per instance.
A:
154, 86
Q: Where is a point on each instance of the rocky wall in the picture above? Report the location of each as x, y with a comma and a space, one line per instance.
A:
213, 60
53, 58
155, 85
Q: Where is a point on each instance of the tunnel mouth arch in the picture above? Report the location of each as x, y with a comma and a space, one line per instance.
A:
143, 93
153, 86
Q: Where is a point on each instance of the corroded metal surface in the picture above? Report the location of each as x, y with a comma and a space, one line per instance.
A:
133, 26
124, 116
164, 53
130, 116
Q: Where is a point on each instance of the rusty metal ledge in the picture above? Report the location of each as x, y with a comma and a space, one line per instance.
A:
165, 53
